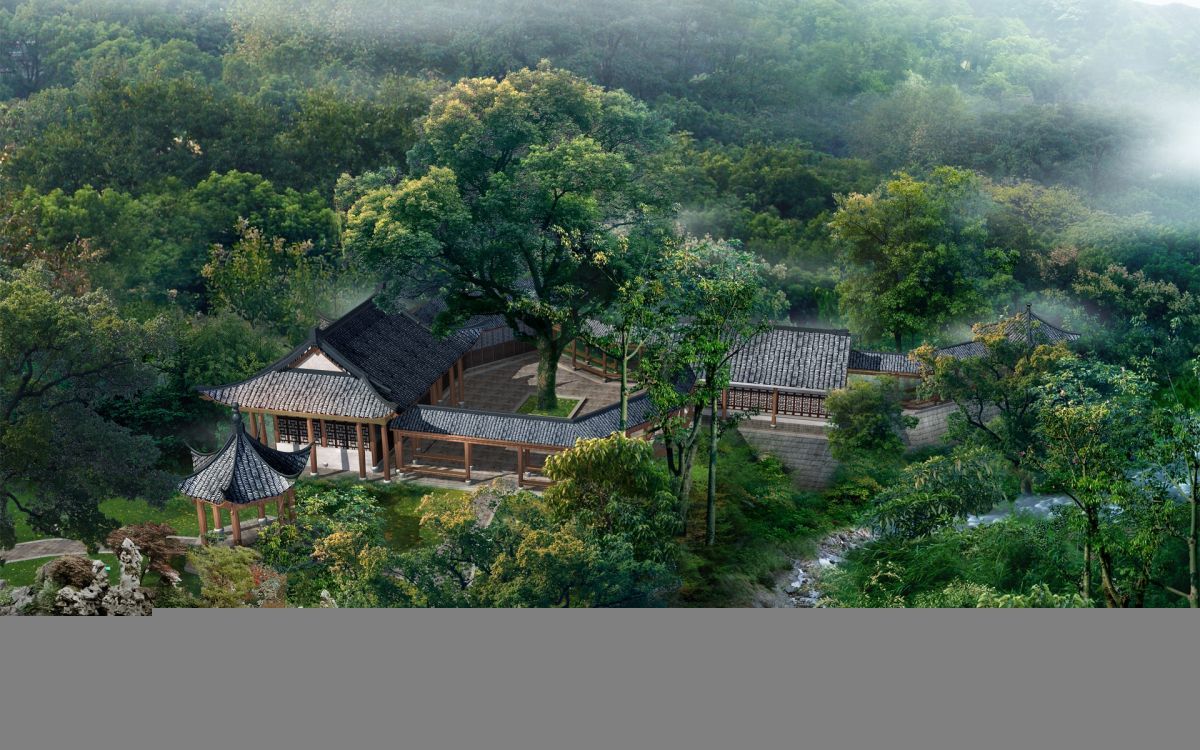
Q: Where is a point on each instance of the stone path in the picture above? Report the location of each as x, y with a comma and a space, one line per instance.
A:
43, 548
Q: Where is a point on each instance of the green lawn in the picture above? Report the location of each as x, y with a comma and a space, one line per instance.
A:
178, 511
564, 408
22, 573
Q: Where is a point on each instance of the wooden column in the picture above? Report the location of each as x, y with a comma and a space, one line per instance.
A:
373, 444
387, 454
462, 382
520, 467
324, 434
467, 461
398, 440
725, 404
362, 452
774, 406
262, 513
217, 525
279, 509
312, 456
291, 493
237, 525
263, 435
252, 419
203, 519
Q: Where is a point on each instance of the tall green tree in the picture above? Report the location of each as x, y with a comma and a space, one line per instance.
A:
518, 188
63, 361
915, 255
1091, 426
996, 390
726, 298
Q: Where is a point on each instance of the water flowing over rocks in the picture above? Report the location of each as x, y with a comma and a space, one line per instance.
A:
799, 589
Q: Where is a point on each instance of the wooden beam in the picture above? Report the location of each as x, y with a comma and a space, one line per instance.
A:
399, 440
237, 525
467, 460
387, 456
202, 517
362, 451
312, 456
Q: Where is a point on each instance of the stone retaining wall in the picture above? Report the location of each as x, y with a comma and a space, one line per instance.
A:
804, 448
804, 452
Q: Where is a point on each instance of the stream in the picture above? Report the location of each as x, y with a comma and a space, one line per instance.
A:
798, 588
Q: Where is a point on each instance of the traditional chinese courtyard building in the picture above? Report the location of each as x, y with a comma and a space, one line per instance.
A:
377, 393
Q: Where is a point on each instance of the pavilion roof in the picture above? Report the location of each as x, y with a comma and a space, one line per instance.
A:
243, 470
1027, 327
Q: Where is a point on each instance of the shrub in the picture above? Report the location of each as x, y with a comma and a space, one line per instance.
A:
226, 575
68, 570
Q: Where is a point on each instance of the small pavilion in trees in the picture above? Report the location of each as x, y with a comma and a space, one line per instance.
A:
243, 473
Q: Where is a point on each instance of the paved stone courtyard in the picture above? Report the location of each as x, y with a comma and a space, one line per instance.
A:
503, 386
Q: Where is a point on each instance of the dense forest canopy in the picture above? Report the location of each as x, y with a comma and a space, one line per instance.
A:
904, 168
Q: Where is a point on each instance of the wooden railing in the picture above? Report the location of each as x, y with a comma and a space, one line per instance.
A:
592, 359
788, 402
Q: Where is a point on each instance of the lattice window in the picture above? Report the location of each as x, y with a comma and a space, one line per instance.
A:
341, 434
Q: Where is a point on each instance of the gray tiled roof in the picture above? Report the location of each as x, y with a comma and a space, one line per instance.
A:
786, 357
428, 311
392, 360
1023, 327
883, 362
398, 354
522, 428
305, 392
243, 470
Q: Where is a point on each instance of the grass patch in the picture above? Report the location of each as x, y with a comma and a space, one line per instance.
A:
564, 408
179, 512
21, 573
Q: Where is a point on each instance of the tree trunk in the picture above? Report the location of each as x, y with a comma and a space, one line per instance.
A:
547, 373
713, 435
897, 336
624, 381
1087, 566
687, 459
1026, 482
1193, 571
1112, 596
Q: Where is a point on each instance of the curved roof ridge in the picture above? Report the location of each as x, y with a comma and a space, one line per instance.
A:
244, 470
